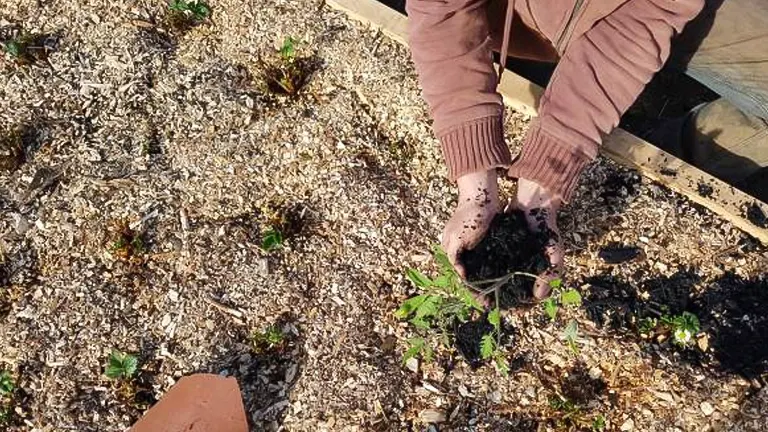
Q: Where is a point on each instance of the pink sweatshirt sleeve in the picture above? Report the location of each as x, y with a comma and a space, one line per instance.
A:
599, 77
451, 47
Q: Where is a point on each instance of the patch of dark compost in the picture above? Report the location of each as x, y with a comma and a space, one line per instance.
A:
509, 247
615, 253
734, 311
580, 388
705, 190
468, 336
756, 215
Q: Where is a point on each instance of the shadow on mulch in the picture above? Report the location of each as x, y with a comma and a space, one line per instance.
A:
266, 375
732, 311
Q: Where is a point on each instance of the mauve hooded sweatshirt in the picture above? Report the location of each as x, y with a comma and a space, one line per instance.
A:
607, 51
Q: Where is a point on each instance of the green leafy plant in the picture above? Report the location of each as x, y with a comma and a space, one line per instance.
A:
267, 339
121, 366
290, 73
271, 240
560, 297
684, 327
26, 48
489, 344
199, 10
288, 49
598, 423
444, 302
7, 385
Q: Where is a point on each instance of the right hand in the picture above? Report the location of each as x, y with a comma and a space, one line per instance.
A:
478, 205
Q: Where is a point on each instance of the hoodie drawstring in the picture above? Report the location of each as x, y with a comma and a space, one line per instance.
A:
507, 33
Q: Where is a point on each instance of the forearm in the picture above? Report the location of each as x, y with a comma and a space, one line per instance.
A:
451, 49
599, 77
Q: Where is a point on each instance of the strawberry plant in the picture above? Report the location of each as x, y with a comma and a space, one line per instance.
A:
185, 14
26, 48
683, 327
121, 366
288, 73
271, 240
270, 338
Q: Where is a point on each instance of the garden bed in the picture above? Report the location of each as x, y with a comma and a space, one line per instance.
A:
132, 131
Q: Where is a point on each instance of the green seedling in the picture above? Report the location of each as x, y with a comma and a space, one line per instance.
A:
127, 244
489, 344
121, 366
289, 75
26, 49
571, 335
443, 303
7, 384
271, 240
560, 297
197, 9
268, 339
598, 423
684, 327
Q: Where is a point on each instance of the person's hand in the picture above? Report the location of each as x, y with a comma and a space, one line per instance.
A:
540, 207
478, 204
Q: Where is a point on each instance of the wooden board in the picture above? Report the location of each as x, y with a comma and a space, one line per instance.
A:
621, 146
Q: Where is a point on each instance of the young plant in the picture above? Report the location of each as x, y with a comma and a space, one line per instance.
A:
185, 14
268, 339
290, 73
197, 9
444, 303
272, 240
26, 48
684, 327
121, 366
598, 423
127, 244
489, 344
571, 336
7, 385
560, 297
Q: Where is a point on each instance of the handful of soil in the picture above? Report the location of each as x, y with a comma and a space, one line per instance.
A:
509, 247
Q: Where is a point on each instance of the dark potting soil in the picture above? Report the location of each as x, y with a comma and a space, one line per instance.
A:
617, 254
509, 247
705, 190
756, 215
468, 337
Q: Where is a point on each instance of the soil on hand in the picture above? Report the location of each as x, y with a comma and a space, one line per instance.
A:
468, 336
508, 247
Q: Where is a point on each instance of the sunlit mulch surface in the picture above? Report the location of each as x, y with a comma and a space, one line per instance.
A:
129, 131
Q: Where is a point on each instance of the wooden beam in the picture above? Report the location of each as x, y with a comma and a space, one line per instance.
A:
621, 146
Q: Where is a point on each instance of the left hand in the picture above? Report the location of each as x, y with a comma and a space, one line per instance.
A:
540, 207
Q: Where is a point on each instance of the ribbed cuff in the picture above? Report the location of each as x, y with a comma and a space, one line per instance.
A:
549, 162
474, 146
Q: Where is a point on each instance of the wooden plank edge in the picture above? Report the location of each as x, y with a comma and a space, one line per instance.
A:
621, 146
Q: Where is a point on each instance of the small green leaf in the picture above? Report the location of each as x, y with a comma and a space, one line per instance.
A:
409, 306
13, 48
417, 278
468, 299
487, 346
429, 307
6, 383
598, 424
571, 298
556, 283
571, 335
550, 308
502, 364
442, 261
272, 239
494, 317
121, 365
288, 50
442, 281
415, 345
420, 324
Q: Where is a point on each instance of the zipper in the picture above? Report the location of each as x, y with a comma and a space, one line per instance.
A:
569, 25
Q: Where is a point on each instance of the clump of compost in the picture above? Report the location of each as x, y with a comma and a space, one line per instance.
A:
510, 247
